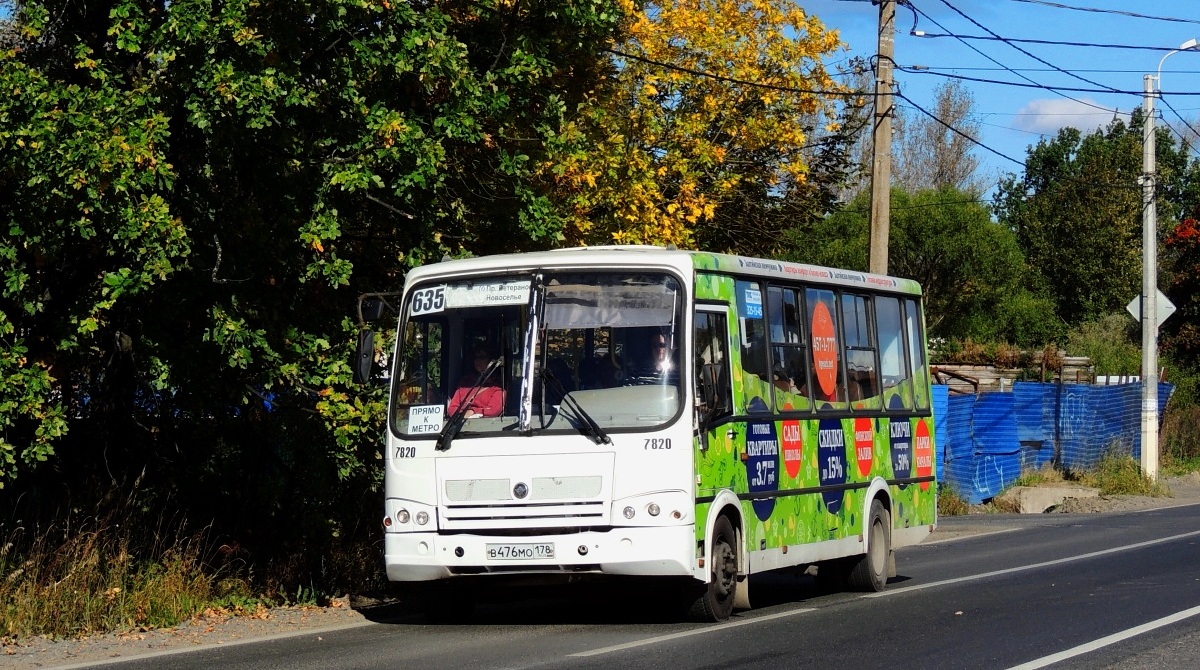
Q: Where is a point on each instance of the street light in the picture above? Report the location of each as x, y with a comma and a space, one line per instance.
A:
1149, 311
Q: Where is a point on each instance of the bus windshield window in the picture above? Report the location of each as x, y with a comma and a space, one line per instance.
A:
611, 342
608, 340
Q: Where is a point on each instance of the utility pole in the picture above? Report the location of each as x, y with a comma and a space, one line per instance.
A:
881, 160
1149, 289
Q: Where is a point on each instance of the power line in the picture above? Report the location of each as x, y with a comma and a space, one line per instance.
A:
972, 47
1097, 10
1182, 120
1015, 130
1048, 113
1054, 89
1009, 43
996, 125
1042, 69
1060, 43
956, 131
1073, 182
925, 205
734, 80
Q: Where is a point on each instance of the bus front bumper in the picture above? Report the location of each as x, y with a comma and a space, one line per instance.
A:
658, 551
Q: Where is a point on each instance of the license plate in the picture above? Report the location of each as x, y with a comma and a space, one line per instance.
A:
520, 552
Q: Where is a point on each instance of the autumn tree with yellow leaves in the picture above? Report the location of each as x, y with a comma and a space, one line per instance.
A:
708, 100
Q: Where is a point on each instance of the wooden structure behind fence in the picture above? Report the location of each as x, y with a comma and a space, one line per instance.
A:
980, 378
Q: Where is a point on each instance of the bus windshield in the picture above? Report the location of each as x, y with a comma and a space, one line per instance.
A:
600, 349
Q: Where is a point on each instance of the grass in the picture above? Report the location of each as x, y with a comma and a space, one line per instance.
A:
87, 576
76, 579
1117, 473
949, 503
1180, 440
1120, 474
1047, 474
1174, 466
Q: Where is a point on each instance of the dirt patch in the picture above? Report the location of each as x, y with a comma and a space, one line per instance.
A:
1184, 490
211, 629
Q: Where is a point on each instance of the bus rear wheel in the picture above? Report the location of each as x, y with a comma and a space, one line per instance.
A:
869, 571
716, 602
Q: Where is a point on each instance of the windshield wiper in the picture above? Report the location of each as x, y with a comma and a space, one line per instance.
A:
587, 425
534, 309
455, 423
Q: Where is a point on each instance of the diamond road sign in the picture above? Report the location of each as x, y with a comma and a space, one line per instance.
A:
1164, 308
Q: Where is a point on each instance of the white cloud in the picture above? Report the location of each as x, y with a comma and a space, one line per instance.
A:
1048, 115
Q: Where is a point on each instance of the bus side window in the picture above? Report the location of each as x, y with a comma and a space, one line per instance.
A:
893, 354
859, 339
712, 364
789, 350
755, 382
916, 348
829, 384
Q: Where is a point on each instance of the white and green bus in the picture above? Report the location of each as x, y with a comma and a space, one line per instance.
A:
640, 411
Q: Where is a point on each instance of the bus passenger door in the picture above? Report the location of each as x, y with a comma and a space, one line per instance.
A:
714, 398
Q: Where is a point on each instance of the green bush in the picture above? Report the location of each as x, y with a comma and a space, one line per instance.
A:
949, 503
1112, 343
1119, 474
1179, 439
86, 576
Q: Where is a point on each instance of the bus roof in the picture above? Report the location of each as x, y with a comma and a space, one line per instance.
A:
627, 256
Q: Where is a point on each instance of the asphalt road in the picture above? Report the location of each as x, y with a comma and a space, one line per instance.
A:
1062, 591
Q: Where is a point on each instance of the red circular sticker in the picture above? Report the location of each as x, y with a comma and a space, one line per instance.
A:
792, 447
824, 350
923, 452
864, 444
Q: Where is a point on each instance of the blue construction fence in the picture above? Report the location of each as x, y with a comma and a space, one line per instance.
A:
984, 442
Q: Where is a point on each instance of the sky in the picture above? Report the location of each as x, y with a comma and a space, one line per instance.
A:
1012, 117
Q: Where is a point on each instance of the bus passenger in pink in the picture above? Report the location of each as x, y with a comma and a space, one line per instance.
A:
488, 399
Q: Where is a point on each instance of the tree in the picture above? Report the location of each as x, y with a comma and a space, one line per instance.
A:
709, 103
970, 268
928, 154
1077, 213
194, 195
9, 31
1181, 333
755, 217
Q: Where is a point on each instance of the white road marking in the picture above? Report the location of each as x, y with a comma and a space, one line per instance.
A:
1031, 566
688, 633
982, 533
1105, 641
907, 589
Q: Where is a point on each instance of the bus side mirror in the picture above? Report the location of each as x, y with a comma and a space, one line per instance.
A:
364, 357
371, 309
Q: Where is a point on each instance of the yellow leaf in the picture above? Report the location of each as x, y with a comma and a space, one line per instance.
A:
648, 158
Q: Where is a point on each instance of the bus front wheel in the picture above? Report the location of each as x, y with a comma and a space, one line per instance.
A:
716, 602
869, 571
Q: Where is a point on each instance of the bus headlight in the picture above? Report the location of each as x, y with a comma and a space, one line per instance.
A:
408, 516
660, 508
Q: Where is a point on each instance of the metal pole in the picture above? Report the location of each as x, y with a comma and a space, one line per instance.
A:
1149, 290
881, 160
